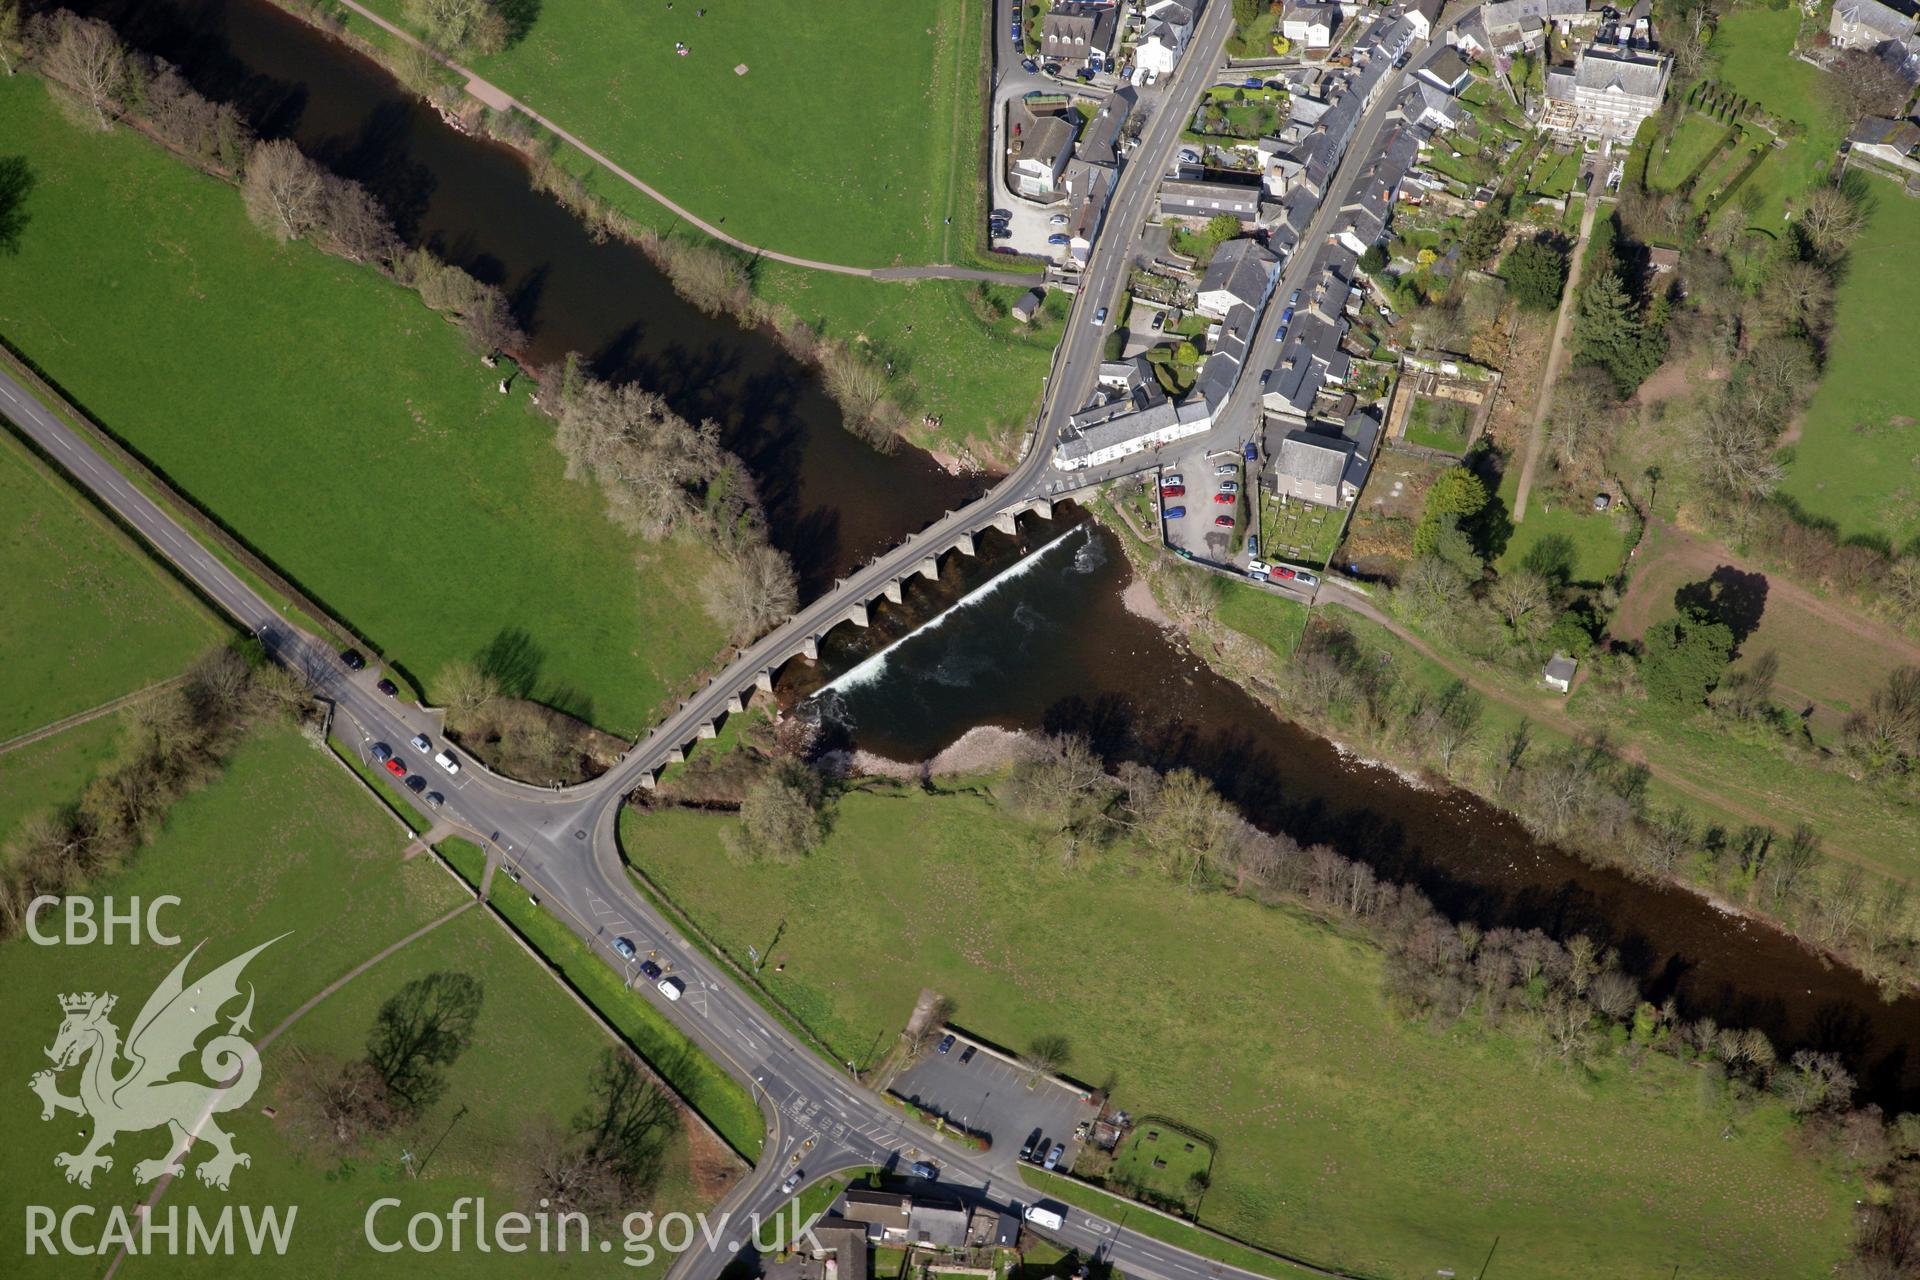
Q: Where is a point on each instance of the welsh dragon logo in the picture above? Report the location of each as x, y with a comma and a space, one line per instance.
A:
145, 1095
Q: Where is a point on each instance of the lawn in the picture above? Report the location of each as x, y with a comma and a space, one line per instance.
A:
250, 856
1162, 1159
1438, 424
1350, 1137
1753, 47
1274, 620
879, 98
1690, 142
1592, 545
52, 772
1857, 463
337, 425
90, 617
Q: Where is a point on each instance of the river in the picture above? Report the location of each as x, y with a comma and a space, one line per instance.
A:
1051, 647
832, 502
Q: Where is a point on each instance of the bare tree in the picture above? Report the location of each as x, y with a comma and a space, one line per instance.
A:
1522, 598
356, 226
751, 592
86, 59
1044, 1056
1733, 451
1862, 83
1189, 594
780, 818
12, 32
471, 26
468, 692
1831, 219
285, 192
859, 387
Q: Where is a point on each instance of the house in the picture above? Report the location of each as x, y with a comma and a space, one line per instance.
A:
885, 1214
1163, 36
1447, 71
1028, 305
1241, 274
1559, 672
846, 1244
1040, 145
1079, 34
1088, 187
1100, 140
1431, 108
1207, 200
1309, 25
1516, 24
937, 1223
1609, 93
1311, 466
1470, 34
1090, 443
1890, 146
1423, 14
988, 1229
1868, 24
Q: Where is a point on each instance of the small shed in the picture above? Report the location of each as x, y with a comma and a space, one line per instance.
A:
1559, 672
1029, 305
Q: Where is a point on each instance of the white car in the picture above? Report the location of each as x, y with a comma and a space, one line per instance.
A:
1259, 566
446, 761
793, 1180
420, 743
671, 987
1058, 220
1226, 469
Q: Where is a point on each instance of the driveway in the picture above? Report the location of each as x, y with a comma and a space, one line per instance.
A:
990, 1094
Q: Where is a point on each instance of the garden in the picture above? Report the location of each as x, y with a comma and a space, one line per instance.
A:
1434, 423
1299, 532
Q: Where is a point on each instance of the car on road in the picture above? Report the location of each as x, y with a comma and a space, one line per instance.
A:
651, 971
1229, 486
1250, 452
434, 799
1306, 579
1265, 376
946, 1042
1227, 469
416, 783
396, 768
1224, 522
381, 753
793, 1180
1046, 1219
1173, 491
1029, 66
922, 1169
1225, 499
389, 688
1174, 513
1294, 301
671, 988
1100, 317
1053, 1156
1026, 1148
966, 1054
1058, 238
1058, 220
420, 743
626, 949
1286, 318
351, 659
448, 761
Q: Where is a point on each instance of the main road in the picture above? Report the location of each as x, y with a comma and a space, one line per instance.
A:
564, 844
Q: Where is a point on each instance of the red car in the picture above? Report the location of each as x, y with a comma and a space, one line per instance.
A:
1280, 571
1225, 522
1173, 491
1225, 499
397, 769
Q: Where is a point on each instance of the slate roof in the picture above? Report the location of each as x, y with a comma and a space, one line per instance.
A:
1208, 199
1314, 458
1100, 141
1626, 71
1243, 269
1502, 14
1874, 16
1074, 30
1446, 67
1902, 135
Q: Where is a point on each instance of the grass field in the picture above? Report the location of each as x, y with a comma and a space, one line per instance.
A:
1438, 424
336, 424
1273, 620
892, 110
1593, 544
1162, 1159
250, 857
1353, 1137
52, 772
1752, 47
1689, 143
1857, 462
90, 617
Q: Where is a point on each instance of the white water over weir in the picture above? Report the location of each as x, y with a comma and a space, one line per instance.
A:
875, 667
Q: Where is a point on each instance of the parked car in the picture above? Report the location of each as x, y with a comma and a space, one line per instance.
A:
946, 1042
1053, 1156
1306, 579
1026, 1149
1256, 565
1174, 513
1250, 453
1001, 233
1159, 318
1229, 486
793, 1180
626, 949
1257, 577
1100, 317
1153, 78
1171, 480
381, 753
1057, 238
389, 688
1283, 573
416, 783
1286, 318
448, 761
922, 1169
1264, 375
352, 660
671, 988
1053, 68
966, 1054
1253, 544
1227, 469
650, 971
1173, 491
1276, 84
1029, 65
1225, 522
1058, 220
1003, 213
1294, 301
396, 768
1226, 499
435, 799
420, 743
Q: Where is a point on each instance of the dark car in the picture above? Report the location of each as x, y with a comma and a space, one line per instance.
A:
1276, 84
1265, 374
921, 1169
1053, 68
1029, 65
351, 659
396, 768
416, 783
946, 1042
435, 799
1174, 513
1059, 239
1225, 522
966, 1055
1001, 233
1159, 318
1014, 29
1249, 453
389, 688
651, 970
1003, 213
1251, 82
1026, 1148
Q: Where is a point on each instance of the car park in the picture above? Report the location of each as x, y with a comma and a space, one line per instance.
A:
651, 971
793, 1180
946, 1042
389, 688
671, 988
1224, 522
381, 753
625, 948
352, 660
420, 743
434, 799
446, 760
1173, 491
1100, 317
1174, 513
396, 768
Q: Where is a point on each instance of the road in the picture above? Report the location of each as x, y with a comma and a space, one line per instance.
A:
564, 844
